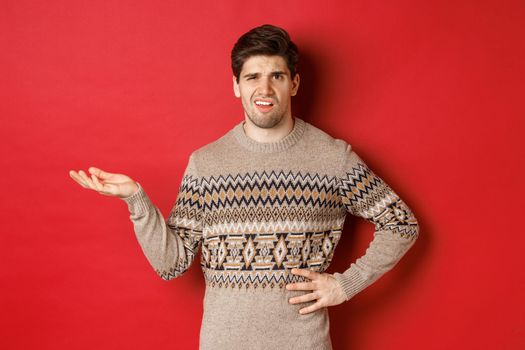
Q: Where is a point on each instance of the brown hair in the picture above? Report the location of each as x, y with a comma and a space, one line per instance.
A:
266, 40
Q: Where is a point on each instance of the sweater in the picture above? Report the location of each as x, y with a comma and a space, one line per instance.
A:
257, 210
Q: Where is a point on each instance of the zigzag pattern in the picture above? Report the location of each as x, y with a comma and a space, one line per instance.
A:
276, 226
270, 201
255, 227
225, 219
185, 220
273, 189
187, 211
250, 279
366, 195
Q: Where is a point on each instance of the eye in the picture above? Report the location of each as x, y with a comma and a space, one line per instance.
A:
278, 76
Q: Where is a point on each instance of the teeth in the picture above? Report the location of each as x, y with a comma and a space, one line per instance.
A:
263, 103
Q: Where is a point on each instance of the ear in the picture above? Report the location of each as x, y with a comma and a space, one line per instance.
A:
236, 87
295, 84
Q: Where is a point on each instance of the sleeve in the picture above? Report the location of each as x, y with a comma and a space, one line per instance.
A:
169, 245
366, 195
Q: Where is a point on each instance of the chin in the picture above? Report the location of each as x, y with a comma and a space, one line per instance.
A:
266, 122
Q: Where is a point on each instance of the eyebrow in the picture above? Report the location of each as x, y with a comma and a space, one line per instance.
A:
277, 72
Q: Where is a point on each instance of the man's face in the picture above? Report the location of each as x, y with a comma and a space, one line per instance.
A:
265, 88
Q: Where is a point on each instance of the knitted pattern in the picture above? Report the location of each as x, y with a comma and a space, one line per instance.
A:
256, 210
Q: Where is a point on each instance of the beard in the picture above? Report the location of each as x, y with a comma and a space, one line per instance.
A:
265, 120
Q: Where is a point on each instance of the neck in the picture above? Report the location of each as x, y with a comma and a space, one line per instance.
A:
273, 134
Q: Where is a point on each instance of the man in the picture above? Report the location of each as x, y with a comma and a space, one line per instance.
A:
266, 203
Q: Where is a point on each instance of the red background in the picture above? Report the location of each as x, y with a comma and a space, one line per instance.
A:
429, 93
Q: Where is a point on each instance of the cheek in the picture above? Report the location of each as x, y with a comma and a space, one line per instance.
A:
246, 100
246, 95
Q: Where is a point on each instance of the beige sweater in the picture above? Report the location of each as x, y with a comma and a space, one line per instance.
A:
259, 209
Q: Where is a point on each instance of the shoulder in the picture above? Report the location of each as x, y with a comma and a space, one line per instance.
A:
205, 155
323, 141
210, 148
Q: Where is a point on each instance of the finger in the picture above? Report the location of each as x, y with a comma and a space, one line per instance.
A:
97, 184
78, 178
86, 179
304, 298
314, 307
301, 286
99, 173
306, 273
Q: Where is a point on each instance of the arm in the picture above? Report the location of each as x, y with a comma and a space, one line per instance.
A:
366, 195
169, 245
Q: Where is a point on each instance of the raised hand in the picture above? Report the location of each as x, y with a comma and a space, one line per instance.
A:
325, 289
118, 185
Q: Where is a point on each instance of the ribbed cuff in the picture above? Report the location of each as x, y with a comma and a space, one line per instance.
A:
138, 203
351, 282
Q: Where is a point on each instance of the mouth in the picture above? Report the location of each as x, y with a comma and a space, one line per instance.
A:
263, 105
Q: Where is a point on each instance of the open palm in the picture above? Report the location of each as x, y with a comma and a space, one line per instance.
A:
109, 184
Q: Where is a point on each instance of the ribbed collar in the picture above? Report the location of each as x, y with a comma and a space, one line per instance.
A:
270, 147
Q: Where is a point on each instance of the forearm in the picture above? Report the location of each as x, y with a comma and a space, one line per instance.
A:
169, 249
383, 253
366, 195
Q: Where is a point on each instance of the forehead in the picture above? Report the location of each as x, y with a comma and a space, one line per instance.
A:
264, 64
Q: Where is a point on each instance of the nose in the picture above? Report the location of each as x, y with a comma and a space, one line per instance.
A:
265, 87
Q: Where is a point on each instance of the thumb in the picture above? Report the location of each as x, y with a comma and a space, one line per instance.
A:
99, 173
